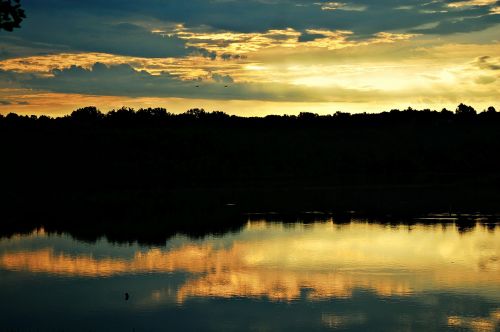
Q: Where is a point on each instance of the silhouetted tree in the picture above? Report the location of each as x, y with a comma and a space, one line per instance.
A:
196, 113
152, 113
44, 118
12, 116
218, 115
307, 116
122, 115
341, 115
11, 14
491, 109
465, 110
87, 114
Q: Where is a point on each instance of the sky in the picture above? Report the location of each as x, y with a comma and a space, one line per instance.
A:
251, 57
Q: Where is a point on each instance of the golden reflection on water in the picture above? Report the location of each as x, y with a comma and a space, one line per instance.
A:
477, 324
337, 321
318, 261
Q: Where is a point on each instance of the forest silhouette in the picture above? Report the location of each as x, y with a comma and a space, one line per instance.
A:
200, 171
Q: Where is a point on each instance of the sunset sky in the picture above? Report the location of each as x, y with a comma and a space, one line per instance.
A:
251, 57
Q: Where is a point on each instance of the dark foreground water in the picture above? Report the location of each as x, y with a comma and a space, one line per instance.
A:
267, 277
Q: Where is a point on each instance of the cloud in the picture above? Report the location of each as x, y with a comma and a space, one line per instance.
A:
487, 62
478, 22
10, 102
243, 43
485, 79
369, 73
471, 3
53, 32
123, 80
189, 67
340, 6
222, 78
120, 27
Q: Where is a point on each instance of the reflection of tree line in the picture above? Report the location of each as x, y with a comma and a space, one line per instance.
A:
147, 232
201, 170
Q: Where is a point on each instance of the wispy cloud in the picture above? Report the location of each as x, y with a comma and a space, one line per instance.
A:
242, 43
471, 3
341, 6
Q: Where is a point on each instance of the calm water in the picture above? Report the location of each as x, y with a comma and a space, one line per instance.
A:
269, 276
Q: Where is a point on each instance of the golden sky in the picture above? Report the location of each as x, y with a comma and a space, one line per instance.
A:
252, 57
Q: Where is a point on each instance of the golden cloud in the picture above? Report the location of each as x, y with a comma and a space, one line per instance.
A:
244, 43
186, 68
471, 3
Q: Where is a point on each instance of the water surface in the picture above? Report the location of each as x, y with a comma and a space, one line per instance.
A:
268, 276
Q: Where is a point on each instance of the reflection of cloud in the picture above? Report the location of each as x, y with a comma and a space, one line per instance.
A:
476, 324
321, 261
283, 285
48, 261
339, 321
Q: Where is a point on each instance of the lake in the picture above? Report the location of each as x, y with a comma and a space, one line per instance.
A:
267, 276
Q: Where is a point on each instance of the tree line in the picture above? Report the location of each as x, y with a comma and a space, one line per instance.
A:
92, 114
145, 164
